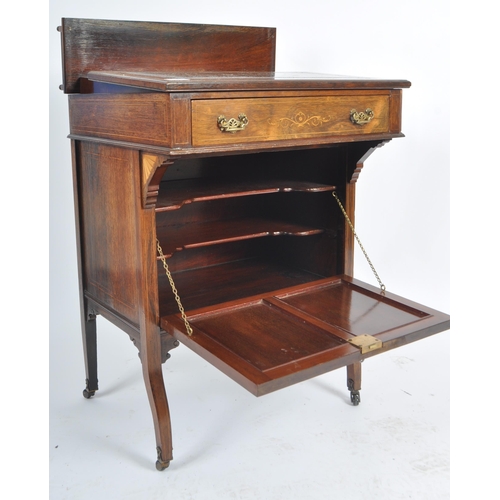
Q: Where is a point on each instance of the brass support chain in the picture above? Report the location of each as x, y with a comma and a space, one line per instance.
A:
382, 286
189, 330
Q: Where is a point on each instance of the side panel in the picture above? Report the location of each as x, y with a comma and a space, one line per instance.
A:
140, 118
109, 201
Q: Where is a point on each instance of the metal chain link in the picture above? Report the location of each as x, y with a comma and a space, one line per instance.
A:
382, 286
189, 330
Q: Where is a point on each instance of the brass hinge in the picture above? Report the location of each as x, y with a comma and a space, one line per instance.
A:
366, 343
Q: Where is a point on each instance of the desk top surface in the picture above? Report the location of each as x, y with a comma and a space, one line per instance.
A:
210, 81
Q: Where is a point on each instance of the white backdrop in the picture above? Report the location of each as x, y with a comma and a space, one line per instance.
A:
402, 212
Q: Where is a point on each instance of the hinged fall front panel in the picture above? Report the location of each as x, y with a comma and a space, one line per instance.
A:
273, 340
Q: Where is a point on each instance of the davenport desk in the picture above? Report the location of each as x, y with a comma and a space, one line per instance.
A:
214, 203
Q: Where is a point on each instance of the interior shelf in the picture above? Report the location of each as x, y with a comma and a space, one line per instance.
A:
179, 193
194, 235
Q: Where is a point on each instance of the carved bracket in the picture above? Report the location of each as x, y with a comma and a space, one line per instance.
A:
361, 155
167, 344
153, 168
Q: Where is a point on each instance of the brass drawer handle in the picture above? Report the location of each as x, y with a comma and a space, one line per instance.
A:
233, 124
361, 117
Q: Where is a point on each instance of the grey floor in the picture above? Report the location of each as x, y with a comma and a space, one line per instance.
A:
304, 442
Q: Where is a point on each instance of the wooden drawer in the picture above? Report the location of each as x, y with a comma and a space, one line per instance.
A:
285, 118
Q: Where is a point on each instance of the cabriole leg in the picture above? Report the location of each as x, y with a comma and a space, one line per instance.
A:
153, 378
354, 382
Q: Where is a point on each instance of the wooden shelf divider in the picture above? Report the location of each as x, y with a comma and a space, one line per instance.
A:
180, 193
174, 239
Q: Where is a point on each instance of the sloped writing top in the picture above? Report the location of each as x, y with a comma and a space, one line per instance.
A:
209, 81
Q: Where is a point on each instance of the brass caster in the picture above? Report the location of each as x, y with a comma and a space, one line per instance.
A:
88, 394
355, 398
161, 464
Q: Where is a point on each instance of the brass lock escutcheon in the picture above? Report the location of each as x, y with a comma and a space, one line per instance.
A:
366, 343
362, 117
233, 124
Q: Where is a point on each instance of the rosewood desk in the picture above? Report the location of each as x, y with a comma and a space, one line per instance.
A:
214, 203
